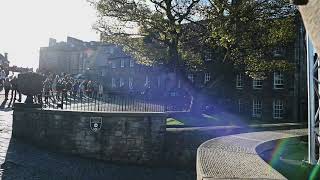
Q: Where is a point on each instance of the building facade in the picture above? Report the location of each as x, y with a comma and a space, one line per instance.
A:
280, 96
73, 56
4, 61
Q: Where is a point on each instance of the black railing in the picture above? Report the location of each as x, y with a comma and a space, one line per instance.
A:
93, 102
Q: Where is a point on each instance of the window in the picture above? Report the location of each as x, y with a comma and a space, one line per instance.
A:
130, 82
113, 83
122, 63
256, 108
278, 81
207, 77
191, 77
111, 50
103, 72
147, 82
278, 52
239, 82
277, 109
240, 104
257, 84
208, 56
113, 64
131, 63
159, 82
173, 93
121, 82
179, 83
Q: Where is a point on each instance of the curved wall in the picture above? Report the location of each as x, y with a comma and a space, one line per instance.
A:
124, 137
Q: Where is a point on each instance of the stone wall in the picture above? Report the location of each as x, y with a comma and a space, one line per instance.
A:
181, 144
136, 138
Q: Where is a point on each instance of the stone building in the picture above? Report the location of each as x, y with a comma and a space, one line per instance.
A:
281, 96
4, 61
73, 56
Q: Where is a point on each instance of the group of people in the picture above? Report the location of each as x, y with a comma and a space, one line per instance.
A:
58, 87
10, 83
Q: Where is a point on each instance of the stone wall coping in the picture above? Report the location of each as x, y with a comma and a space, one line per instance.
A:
237, 156
95, 113
232, 127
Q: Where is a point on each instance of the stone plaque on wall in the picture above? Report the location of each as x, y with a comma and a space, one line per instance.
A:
95, 123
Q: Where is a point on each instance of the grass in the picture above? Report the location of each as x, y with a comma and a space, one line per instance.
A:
174, 122
218, 119
222, 119
296, 150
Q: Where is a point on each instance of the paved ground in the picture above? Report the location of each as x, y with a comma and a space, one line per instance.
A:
236, 156
23, 161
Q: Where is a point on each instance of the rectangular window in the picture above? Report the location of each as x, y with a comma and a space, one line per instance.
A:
113, 83
191, 77
278, 82
207, 77
121, 82
130, 82
257, 84
240, 104
113, 64
122, 63
179, 83
239, 81
103, 72
159, 82
131, 63
147, 82
277, 109
256, 108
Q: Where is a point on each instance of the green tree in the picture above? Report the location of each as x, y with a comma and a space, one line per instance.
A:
149, 30
175, 32
249, 31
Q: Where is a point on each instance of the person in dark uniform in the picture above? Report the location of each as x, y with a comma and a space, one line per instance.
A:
14, 89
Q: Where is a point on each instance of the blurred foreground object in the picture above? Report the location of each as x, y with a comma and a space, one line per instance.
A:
299, 2
310, 11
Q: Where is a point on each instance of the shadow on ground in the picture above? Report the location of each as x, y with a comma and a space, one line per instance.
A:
24, 161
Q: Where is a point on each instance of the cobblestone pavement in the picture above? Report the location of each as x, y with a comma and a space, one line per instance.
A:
237, 156
24, 161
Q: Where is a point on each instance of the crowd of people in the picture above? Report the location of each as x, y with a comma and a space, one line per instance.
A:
58, 87
9, 82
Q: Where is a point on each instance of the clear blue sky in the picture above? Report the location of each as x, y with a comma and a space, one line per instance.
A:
27, 25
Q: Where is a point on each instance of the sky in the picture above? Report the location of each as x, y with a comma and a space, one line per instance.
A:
27, 25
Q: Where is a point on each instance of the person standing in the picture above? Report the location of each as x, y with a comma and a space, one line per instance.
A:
2, 76
54, 87
46, 90
7, 87
100, 90
14, 89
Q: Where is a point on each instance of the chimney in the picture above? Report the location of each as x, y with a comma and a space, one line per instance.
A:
6, 56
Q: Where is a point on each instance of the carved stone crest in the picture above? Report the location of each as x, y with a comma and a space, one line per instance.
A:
95, 123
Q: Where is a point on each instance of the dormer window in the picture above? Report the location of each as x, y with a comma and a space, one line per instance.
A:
208, 56
279, 52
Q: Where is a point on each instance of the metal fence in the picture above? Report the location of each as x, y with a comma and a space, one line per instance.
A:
109, 103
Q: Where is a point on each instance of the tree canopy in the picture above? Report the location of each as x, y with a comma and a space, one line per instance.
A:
175, 32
